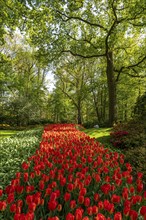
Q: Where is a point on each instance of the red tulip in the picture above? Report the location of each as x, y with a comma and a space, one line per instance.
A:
72, 204
52, 205
143, 211
115, 198
31, 207
70, 216
133, 215
90, 210
13, 208
94, 209
126, 211
78, 214
118, 216
96, 197
87, 201
70, 187
10, 198
81, 199
100, 217
25, 166
3, 205
67, 196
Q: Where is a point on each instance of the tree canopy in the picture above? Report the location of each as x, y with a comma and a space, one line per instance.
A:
98, 44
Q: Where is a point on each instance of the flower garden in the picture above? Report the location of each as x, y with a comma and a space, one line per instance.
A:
73, 177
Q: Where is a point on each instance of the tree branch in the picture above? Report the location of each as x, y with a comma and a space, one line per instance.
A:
112, 27
80, 19
122, 69
135, 76
84, 40
83, 56
136, 64
62, 89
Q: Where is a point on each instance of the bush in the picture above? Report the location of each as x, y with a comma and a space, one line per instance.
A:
131, 134
40, 121
137, 156
4, 126
89, 124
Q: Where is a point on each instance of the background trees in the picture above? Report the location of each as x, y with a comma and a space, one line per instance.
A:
23, 92
97, 49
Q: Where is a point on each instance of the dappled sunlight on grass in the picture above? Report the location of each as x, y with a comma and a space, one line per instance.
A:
7, 133
98, 132
101, 134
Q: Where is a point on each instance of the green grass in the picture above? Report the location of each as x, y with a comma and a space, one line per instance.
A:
101, 134
7, 133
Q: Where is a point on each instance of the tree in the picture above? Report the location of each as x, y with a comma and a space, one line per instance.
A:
111, 31
60, 107
140, 108
23, 84
128, 90
73, 76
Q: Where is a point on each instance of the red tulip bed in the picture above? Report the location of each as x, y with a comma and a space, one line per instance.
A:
73, 177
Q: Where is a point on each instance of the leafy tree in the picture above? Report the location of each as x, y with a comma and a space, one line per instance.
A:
140, 108
73, 82
112, 31
23, 84
128, 90
60, 107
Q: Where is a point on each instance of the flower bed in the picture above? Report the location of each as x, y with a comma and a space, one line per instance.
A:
73, 177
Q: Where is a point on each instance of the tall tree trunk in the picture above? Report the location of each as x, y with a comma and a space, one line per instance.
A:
96, 107
104, 106
111, 89
79, 118
125, 115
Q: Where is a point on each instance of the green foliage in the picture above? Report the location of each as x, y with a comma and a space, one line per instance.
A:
137, 157
4, 126
140, 108
40, 121
89, 124
23, 85
130, 134
54, 29
15, 150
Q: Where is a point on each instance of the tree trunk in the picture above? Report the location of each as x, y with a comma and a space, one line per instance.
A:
96, 107
125, 111
111, 89
79, 118
104, 105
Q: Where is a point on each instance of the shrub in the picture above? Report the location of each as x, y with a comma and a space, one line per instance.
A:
137, 158
130, 134
89, 124
4, 126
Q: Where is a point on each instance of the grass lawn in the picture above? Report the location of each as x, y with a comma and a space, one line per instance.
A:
101, 134
7, 133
